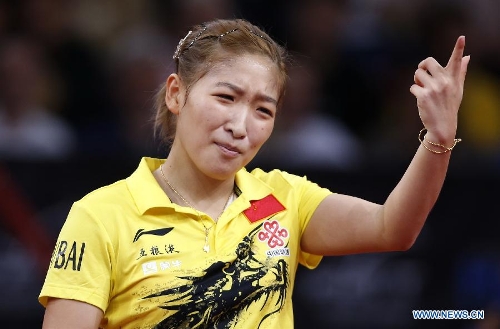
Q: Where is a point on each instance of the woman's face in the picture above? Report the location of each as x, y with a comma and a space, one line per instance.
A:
228, 115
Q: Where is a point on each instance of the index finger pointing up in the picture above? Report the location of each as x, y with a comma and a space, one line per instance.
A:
455, 62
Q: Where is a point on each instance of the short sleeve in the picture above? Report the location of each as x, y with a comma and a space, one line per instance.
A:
309, 195
310, 198
81, 264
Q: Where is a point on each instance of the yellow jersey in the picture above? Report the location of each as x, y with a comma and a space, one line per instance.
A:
128, 250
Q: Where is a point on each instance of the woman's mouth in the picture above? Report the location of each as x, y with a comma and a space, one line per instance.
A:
228, 150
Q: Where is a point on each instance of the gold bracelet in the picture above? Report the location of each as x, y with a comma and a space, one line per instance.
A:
446, 149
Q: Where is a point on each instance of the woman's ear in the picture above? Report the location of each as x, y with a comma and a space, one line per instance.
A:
173, 93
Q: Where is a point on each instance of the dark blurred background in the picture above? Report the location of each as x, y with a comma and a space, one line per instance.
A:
77, 82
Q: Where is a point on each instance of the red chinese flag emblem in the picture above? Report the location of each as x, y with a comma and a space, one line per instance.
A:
263, 208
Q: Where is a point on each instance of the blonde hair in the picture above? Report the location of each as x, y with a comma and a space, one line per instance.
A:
205, 46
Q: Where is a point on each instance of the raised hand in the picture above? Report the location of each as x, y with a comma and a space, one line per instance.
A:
439, 93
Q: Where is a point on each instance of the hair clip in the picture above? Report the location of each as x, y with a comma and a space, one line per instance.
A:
259, 35
226, 33
177, 50
197, 36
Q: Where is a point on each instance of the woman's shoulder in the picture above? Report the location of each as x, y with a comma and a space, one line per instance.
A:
277, 176
113, 193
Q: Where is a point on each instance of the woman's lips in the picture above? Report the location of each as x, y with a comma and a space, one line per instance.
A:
229, 150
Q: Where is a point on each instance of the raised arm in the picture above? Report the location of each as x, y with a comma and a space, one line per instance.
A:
343, 224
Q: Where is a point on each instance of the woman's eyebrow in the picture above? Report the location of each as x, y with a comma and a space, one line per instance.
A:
240, 91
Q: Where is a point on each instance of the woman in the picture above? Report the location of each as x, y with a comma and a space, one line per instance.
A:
196, 241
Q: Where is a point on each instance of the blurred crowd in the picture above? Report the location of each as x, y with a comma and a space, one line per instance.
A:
78, 77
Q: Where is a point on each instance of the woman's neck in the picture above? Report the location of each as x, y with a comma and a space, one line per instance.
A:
192, 188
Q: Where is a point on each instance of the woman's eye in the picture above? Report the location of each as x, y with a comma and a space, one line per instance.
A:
266, 111
227, 97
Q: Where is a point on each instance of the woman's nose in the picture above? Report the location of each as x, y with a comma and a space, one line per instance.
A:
237, 123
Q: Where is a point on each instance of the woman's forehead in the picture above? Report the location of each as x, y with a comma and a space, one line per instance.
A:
245, 68
239, 61
246, 71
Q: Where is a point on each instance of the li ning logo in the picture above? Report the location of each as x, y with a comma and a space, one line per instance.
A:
65, 255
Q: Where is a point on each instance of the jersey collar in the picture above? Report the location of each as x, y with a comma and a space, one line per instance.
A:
144, 188
148, 194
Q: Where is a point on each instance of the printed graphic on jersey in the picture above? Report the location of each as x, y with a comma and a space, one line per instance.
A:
218, 298
149, 268
273, 234
263, 208
154, 266
159, 232
279, 252
156, 250
64, 255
